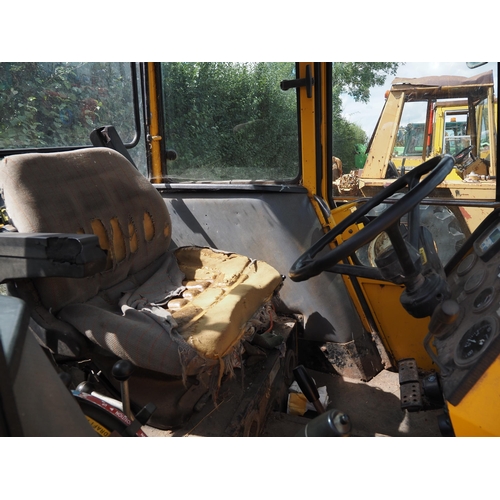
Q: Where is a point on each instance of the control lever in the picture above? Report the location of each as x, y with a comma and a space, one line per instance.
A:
122, 370
332, 423
308, 387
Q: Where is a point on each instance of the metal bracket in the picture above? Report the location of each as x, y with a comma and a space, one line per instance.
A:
307, 82
409, 384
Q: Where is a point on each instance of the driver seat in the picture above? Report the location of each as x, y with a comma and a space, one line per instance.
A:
180, 316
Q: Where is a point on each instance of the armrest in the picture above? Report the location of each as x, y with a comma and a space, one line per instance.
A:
38, 255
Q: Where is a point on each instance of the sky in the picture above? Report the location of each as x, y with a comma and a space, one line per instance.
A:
366, 115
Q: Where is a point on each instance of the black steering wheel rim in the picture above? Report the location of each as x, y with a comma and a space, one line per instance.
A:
307, 266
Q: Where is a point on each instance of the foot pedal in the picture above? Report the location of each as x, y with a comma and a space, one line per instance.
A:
409, 384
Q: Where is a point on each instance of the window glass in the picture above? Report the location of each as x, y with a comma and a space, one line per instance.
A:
58, 104
455, 137
413, 123
230, 121
483, 130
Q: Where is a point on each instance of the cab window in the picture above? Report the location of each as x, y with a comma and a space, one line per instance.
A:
49, 105
455, 137
230, 121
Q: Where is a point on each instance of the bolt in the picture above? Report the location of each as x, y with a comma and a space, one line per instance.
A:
344, 419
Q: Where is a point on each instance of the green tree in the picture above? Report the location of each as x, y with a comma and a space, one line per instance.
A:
47, 104
230, 120
357, 78
346, 136
225, 120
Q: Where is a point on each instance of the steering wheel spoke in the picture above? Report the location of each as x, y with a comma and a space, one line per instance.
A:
420, 182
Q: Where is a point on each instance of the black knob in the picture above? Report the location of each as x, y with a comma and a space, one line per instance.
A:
444, 315
122, 370
171, 154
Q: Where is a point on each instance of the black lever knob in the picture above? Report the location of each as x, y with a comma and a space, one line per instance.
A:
122, 370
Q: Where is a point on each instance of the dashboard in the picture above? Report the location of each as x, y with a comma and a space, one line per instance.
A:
466, 340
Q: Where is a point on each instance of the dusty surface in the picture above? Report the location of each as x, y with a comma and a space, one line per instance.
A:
373, 407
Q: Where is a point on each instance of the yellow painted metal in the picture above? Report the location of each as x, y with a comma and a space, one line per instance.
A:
477, 413
338, 214
100, 429
438, 132
454, 187
492, 127
385, 137
401, 334
326, 163
308, 132
154, 143
440, 124
450, 189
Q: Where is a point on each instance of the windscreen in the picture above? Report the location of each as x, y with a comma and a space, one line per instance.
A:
230, 121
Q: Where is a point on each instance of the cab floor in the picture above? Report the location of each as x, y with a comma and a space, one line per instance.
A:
373, 408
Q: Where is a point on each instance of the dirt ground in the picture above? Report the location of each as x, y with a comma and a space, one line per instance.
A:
373, 408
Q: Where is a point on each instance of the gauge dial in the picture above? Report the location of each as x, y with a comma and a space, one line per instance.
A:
474, 341
475, 281
467, 264
484, 299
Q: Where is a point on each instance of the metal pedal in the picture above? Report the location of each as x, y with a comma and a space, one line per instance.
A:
409, 384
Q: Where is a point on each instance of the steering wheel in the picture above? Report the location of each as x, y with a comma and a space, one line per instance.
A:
308, 265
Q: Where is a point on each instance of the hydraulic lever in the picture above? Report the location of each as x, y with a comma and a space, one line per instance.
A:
122, 370
308, 387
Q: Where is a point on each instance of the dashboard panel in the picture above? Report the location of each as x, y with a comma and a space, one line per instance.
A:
469, 343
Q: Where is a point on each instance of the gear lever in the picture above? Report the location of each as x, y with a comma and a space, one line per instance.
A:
308, 387
122, 370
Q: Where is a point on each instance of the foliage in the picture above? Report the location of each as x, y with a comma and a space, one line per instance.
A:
346, 137
230, 120
225, 120
58, 104
357, 78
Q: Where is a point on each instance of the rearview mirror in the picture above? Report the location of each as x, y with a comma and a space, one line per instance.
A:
474, 65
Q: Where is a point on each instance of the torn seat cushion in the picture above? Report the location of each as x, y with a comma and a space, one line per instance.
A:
178, 312
184, 319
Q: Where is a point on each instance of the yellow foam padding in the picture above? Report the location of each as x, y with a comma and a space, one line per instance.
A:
149, 227
100, 231
297, 403
213, 322
132, 237
119, 250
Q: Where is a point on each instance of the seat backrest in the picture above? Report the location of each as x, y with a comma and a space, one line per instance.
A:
89, 191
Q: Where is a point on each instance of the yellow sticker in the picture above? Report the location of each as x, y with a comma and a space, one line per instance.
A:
102, 431
423, 256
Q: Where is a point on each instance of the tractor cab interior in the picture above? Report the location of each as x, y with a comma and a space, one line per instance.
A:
204, 246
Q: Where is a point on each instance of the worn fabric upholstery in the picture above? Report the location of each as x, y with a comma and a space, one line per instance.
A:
87, 191
125, 309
